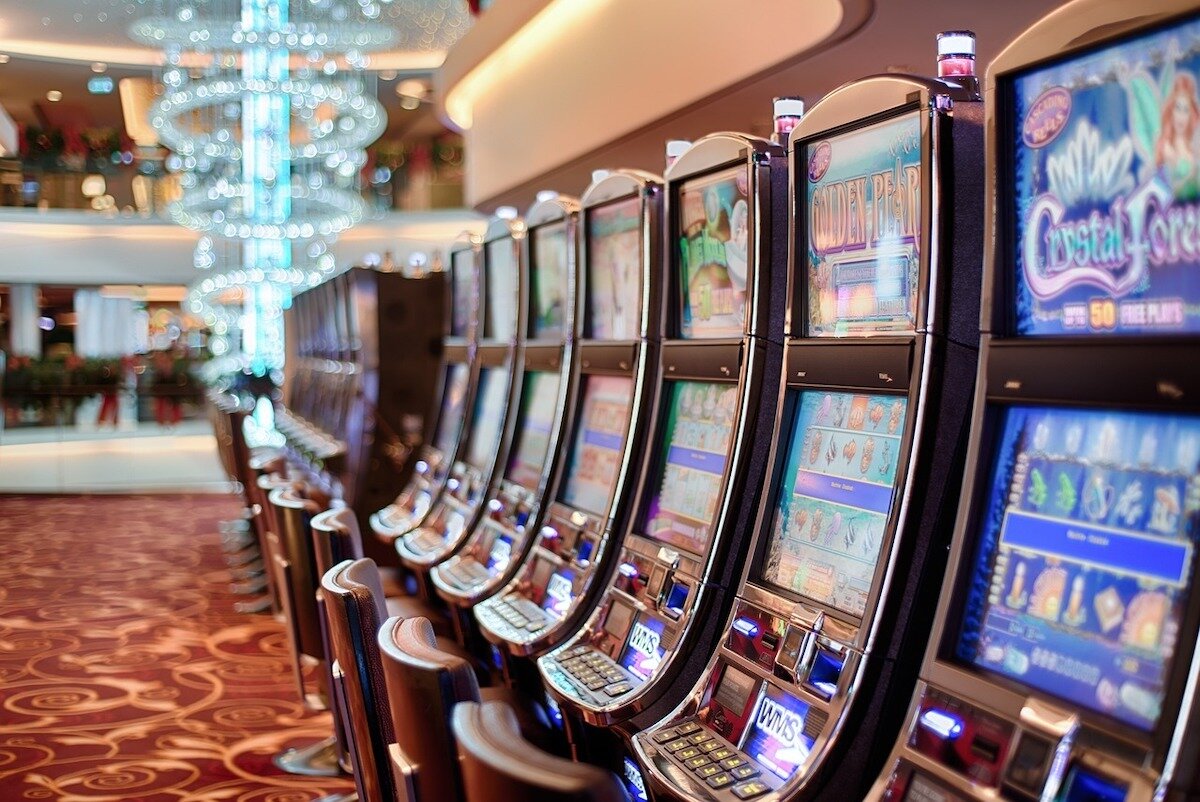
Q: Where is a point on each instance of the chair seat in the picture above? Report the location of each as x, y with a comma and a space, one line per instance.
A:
405, 606
393, 582
530, 716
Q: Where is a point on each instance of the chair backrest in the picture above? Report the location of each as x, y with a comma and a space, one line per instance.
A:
499, 765
424, 684
336, 538
293, 514
356, 608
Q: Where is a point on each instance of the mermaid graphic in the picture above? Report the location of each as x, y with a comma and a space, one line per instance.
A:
1164, 120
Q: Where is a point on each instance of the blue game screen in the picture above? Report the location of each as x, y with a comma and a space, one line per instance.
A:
776, 737
1106, 169
643, 650
1085, 556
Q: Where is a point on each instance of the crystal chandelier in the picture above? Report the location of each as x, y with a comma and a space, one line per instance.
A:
268, 110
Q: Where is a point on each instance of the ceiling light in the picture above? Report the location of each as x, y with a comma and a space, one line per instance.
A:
4, 57
388, 75
99, 67
54, 96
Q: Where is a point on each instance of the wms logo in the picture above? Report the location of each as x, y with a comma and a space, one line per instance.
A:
779, 722
644, 640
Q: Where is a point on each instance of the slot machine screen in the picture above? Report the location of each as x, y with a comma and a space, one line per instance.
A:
1084, 562
836, 490
560, 592
462, 275
539, 401
863, 229
501, 296
616, 623
776, 735
1104, 168
598, 444
714, 239
500, 553
643, 649
727, 708
454, 398
697, 437
549, 279
614, 242
487, 423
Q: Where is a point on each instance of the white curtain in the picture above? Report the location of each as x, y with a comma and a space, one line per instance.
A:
104, 327
23, 320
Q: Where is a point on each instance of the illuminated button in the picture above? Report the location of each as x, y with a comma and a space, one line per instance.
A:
733, 762
709, 746
697, 761
721, 754
720, 780
534, 626
700, 737
742, 772
675, 746
689, 728
751, 789
595, 684
708, 770
618, 689
663, 736
688, 752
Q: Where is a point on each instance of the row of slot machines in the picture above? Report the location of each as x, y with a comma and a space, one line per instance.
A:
353, 409
863, 462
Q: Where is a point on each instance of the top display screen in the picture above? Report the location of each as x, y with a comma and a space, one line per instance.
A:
864, 229
1102, 217
614, 242
1084, 563
462, 281
539, 402
697, 437
454, 396
599, 443
487, 422
501, 303
713, 251
548, 291
835, 496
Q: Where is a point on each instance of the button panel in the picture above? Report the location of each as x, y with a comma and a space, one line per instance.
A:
730, 774
603, 678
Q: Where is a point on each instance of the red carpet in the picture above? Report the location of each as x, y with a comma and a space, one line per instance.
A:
125, 675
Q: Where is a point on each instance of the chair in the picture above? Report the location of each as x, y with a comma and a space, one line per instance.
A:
290, 545
424, 683
337, 537
499, 765
354, 604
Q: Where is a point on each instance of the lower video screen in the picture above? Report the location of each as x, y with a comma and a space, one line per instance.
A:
836, 492
1085, 556
696, 440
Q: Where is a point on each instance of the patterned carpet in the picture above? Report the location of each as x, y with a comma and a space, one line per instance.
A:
125, 675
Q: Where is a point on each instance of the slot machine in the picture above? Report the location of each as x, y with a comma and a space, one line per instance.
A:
497, 542
449, 420
573, 542
1062, 663
821, 647
704, 465
386, 417
363, 415
485, 443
